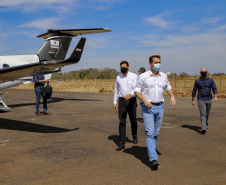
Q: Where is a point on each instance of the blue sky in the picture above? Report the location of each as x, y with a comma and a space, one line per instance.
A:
188, 34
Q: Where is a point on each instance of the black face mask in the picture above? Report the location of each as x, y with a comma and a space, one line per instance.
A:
124, 69
203, 74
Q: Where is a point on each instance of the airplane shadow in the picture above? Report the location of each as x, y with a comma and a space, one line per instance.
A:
191, 127
52, 100
30, 127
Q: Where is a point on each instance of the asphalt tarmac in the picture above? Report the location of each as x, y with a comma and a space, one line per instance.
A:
77, 143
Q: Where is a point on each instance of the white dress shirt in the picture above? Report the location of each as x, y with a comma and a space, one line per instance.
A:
125, 85
151, 87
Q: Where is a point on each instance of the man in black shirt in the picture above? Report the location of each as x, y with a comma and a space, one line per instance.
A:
204, 85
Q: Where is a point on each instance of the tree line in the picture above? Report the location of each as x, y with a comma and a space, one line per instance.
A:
107, 73
87, 74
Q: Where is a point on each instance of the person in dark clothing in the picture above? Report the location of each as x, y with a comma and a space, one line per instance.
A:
40, 81
141, 70
204, 85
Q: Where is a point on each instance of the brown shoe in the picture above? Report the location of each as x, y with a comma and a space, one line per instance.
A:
46, 113
38, 113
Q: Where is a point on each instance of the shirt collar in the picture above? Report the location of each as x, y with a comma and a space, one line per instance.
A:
151, 74
207, 78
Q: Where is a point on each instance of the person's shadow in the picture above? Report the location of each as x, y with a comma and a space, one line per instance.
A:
137, 151
115, 139
191, 127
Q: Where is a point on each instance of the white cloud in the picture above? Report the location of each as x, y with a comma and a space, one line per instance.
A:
159, 21
47, 23
219, 29
190, 29
187, 53
20, 2
212, 20
30, 6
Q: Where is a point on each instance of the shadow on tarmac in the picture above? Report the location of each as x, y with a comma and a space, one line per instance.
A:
30, 127
191, 127
140, 153
52, 100
115, 139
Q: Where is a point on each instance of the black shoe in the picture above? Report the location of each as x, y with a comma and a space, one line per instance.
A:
120, 147
154, 165
158, 152
135, 140
203, 132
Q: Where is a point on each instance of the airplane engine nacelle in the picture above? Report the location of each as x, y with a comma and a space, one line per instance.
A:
10, 84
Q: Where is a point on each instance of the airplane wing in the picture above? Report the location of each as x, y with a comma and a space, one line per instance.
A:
73, 32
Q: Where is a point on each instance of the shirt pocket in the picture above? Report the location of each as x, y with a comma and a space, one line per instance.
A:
131, 84
161, 84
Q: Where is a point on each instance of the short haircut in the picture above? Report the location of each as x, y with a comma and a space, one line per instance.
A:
142, 69
124, 62
154, 56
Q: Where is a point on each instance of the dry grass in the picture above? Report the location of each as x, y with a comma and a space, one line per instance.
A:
181, 88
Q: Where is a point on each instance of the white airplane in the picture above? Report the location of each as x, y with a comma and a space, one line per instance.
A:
18, 69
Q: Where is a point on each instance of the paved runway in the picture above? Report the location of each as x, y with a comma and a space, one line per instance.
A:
76, 143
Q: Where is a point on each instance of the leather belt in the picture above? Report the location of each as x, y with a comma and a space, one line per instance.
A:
122, 98
157, 104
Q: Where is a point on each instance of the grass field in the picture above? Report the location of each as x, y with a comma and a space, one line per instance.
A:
182, 87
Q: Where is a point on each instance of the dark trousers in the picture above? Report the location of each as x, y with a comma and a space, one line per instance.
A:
125, 106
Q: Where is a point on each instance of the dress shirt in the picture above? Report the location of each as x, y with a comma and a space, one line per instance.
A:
36, 78
124, 85
204, 86
151, 87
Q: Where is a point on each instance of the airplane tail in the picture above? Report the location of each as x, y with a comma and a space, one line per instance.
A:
58, 42
54, 48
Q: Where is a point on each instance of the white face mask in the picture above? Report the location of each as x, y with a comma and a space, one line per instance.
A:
157, 67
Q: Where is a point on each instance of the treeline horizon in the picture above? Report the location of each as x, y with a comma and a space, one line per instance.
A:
107, 73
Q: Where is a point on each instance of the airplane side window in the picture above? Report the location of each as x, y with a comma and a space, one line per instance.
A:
5, 65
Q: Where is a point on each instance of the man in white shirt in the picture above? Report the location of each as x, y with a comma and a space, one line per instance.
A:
149, 89
124, 91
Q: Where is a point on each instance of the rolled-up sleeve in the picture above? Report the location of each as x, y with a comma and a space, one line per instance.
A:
138, 85
167, 85
133, 90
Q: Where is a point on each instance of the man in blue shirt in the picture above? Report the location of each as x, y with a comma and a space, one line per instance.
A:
204, 85
40, 81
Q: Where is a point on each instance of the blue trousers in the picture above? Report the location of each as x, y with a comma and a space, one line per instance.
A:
152, 124
38, 92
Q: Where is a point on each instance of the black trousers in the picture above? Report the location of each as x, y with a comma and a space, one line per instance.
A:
125, 106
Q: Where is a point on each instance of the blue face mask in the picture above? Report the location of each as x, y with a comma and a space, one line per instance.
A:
157, 67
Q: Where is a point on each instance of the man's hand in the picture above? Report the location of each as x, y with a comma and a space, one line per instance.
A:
127, 97
193, 102
172, 98
173, 101
45, 81
147, 104
115, 107
215, 99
